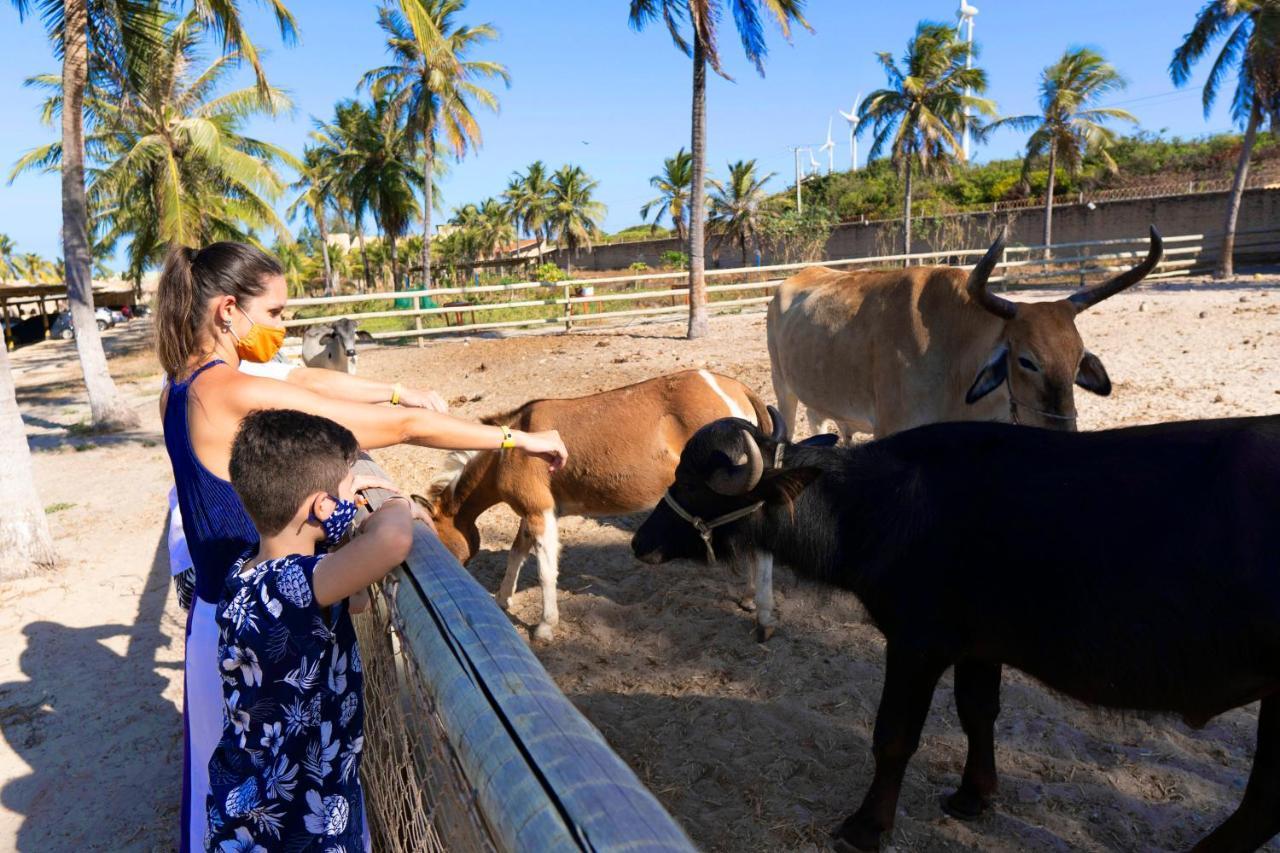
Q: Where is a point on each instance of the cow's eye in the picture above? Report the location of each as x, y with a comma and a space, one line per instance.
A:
1027, 364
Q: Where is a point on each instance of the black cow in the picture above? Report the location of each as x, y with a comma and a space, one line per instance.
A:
1133, 568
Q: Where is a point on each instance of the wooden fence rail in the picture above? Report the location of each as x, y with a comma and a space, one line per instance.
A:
1021, 265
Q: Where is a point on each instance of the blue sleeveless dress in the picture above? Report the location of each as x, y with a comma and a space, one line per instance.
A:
218, 532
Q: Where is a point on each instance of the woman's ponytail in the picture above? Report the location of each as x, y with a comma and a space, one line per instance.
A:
176, 318
189, 280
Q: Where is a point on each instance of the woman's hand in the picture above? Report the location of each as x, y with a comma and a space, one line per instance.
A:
544, 445
429, 400
361, 482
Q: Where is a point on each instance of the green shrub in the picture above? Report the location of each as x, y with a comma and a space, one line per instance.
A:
674, 260
549, 274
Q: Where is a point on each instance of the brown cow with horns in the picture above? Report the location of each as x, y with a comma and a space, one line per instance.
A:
884, 351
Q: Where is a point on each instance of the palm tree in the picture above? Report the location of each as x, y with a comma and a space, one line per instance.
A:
702, 16
81, 29
921, 116
436, 86
1252, 51
673, 185
1070, 126
334, 139
735, 205
25, 543
315, 196
528, 198
381, 176
169, 162
573, 217
6, 257
33, 267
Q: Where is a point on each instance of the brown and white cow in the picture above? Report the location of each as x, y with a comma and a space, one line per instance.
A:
623, 448
884, 351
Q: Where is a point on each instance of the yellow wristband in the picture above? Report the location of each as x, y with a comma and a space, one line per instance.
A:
508, 440
395, 393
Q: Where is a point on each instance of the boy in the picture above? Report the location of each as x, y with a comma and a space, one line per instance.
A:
285, 775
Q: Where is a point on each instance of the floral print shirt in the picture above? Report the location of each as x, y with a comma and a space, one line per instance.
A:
285, 775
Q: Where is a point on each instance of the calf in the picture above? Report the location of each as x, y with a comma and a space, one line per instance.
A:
623, 447
333, 345
1131, 569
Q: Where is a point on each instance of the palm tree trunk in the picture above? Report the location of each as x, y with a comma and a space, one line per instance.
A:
906, 217
697, 219
364, 258
1226, 261
1048, 201
25, 543
107, 409
428, 193
395, 262
324, 250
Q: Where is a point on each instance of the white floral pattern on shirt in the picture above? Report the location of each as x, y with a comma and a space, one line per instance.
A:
286, 772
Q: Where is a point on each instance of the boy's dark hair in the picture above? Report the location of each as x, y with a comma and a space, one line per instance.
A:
281, 456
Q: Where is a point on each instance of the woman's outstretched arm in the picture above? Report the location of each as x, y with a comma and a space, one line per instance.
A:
380, 426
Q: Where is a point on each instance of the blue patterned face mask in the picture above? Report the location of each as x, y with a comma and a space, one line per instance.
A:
338, 524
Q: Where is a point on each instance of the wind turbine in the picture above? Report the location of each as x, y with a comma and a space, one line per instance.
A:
814, 164
830, 147
965, 15
852, 118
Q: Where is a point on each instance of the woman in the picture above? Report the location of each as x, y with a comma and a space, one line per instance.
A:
214, 308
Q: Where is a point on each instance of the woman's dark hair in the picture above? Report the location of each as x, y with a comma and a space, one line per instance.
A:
281, 457
192, 277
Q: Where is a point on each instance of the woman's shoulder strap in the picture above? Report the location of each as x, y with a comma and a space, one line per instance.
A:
202, 368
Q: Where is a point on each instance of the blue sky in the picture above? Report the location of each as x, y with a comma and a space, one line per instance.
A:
587, 89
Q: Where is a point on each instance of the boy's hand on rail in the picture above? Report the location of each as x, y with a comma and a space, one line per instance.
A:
359, 602
429, 400
544, 445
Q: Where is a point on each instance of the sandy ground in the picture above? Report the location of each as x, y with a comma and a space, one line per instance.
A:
751, 747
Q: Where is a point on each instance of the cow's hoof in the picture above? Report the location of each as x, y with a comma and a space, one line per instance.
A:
544, 632
764, 633
855, 834
963, 805
505, 603
747, 603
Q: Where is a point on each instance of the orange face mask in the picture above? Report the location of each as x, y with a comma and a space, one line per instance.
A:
260, 344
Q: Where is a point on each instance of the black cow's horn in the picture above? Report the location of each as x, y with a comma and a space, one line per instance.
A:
1091, 296
978, 282
779, 426
742, 477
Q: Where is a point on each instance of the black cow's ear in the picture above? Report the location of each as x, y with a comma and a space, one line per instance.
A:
991, 375
826, 439
1092, 376
786, 485
362, 335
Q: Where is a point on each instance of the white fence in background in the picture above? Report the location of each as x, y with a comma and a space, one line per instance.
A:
565, 304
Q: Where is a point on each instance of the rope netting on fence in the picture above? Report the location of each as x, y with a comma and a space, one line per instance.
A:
418, 793
469, 744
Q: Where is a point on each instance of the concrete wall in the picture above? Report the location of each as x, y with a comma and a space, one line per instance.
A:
1172, 215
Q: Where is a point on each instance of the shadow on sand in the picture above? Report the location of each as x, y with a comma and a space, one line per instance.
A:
82, 703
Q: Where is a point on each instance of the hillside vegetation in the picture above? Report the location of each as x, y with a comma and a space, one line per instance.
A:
876, 191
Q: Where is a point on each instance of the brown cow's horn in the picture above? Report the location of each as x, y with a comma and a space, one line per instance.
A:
744, 476
778, 425
978, 282
1091, 296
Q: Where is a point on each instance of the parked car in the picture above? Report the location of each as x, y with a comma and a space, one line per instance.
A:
63, 327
